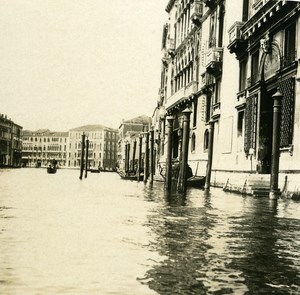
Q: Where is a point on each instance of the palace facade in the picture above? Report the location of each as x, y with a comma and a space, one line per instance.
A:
42, 146
102, 151
10, 143
223, 62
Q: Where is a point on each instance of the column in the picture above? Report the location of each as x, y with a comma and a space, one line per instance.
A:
274, 191
185, 150
210, 154
170, 120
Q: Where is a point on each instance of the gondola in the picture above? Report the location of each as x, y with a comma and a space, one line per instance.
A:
130, 176
196, 181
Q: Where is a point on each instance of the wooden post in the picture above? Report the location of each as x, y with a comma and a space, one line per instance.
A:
210, 154
140, 158
151, 154
126, 164
82, 155
146, 160
170, 120
274, 191
128, 157
86, 157
133, 156
185, 151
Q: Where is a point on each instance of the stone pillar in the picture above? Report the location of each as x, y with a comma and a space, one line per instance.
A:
126, 157
140, 158
82, 155
170, 120
86, 157
274, 191
151, 154
146, 159
185, 150
210, 154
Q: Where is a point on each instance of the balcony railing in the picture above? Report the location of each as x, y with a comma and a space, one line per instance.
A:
214, 58
241, 100
236, 41
196, 12
288, 59
184, 92
216, 110
206, 80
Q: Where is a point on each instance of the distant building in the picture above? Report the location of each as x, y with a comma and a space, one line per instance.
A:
10, 142
102, 146
129, 132
42, 146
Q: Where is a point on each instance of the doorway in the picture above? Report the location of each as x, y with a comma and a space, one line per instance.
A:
265, 132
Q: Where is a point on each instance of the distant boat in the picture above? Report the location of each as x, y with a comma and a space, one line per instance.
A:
130, 176
51, 169
94, 170
196, 181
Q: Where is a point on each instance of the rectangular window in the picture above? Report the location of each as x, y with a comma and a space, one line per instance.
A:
195, 112
290, 45
243, 75
240, 126
254, 67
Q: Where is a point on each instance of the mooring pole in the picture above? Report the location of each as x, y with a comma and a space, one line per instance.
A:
133, 156
146, 163
170, 120
86, 157
82, 155
128, 156
151, 154
185, 151
140, 158
126, 167
274, 191
210, 154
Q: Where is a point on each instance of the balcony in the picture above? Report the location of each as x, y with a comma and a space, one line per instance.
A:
241, 100
216, 111
182, 94
206, 81
214, 59
196, 12
236, 42
171, 46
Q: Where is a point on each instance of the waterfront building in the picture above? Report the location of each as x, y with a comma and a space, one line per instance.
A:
129, 133
222, 62
102, 146
42, 146
182, 55
10, 142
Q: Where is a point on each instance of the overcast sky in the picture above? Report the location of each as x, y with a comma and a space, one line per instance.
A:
67, 63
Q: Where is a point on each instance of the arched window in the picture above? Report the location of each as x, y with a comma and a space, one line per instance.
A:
193, 143
206, 137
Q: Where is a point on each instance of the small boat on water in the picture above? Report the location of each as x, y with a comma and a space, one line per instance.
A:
51, 169
130, 176
196, 181
94, 170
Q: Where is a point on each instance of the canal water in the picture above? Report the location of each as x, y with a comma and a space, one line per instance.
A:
105, 235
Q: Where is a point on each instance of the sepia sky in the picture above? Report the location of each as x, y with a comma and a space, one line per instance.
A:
66, 63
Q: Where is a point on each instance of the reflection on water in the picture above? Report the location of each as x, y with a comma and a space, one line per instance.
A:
104, 235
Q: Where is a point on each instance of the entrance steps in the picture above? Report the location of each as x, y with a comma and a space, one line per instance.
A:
257, 185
